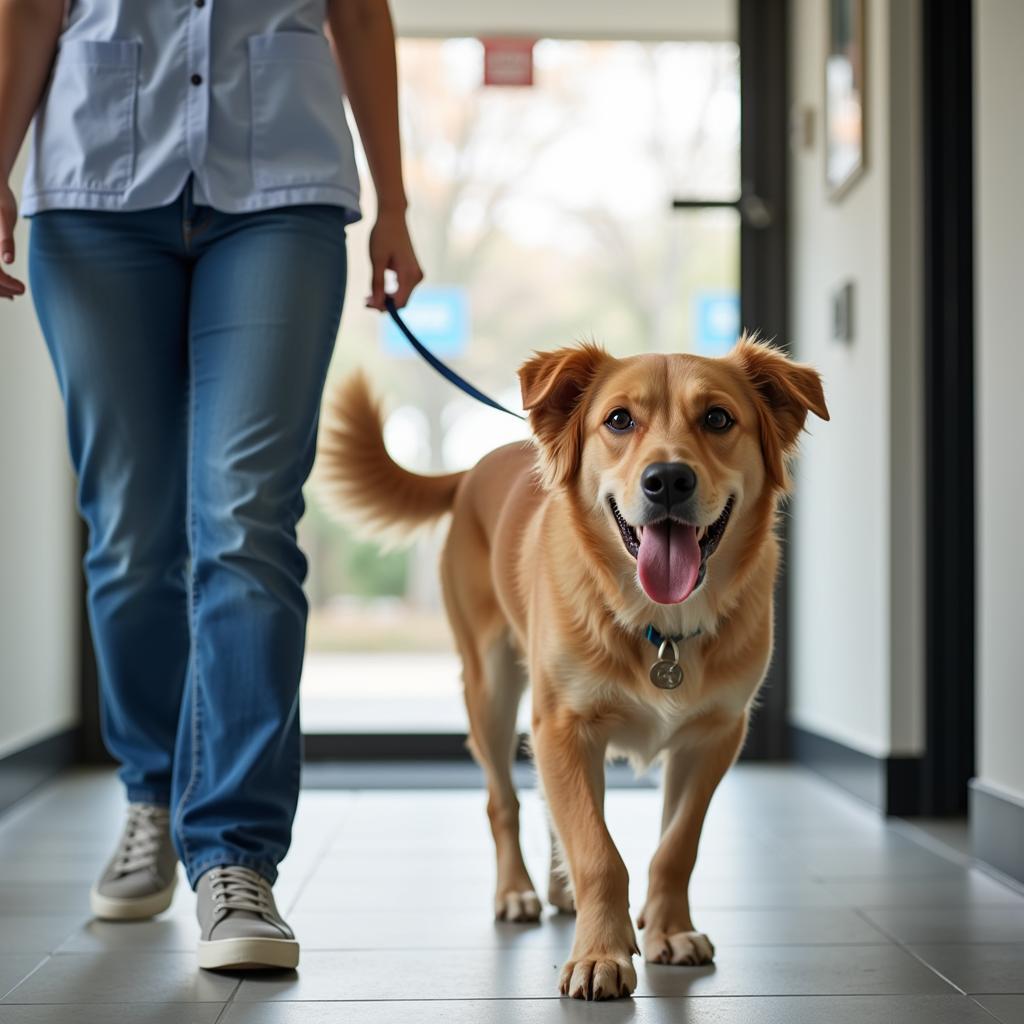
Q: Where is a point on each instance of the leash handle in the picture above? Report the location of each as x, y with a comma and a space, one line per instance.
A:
442, 368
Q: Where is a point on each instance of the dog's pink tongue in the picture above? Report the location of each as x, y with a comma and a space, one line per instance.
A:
669, 561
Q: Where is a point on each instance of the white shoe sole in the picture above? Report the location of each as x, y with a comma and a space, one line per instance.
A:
112, 908
249, 954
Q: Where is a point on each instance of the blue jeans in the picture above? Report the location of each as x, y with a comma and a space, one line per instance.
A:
191, 348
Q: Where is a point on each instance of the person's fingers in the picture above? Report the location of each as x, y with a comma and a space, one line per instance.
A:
375, 300
10, 286
8, 218
409, 276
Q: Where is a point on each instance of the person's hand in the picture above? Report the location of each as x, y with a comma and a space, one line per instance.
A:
9, 286
391, 249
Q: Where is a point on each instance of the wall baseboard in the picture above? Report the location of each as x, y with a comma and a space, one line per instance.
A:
24, 770
385, 747
892, 784
997, 829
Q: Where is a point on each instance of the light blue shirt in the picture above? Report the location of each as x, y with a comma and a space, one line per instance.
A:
242, 94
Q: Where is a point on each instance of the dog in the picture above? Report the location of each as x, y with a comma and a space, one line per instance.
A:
623, 561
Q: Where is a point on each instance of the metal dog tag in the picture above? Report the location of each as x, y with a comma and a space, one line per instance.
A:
667, 673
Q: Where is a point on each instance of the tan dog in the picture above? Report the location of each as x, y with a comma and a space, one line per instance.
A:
648, 500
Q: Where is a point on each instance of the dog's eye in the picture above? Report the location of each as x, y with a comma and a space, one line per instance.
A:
620, 420
718, 420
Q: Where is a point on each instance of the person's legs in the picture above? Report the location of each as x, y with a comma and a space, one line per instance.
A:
267, 292
111, 292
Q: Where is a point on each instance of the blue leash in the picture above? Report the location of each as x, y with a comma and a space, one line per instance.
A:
446, 371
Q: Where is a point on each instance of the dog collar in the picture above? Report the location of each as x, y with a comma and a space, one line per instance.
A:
666, 673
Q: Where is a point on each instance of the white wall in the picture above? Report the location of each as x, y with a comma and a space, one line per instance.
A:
39, 555
857, 594
640, 19
999, 255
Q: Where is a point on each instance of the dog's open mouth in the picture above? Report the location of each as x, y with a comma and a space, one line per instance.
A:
671, 556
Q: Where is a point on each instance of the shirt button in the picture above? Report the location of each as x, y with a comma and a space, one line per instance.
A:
196, 79
200, 3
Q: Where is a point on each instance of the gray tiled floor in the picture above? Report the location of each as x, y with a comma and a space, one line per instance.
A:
819, 910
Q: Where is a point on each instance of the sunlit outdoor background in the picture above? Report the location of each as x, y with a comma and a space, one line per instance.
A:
542, 215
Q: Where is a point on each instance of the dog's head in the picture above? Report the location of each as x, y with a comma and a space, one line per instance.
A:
669, 451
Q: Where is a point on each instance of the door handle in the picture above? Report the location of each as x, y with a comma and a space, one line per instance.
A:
755, 211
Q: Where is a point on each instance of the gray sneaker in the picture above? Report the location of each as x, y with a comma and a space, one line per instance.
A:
240, 924
139, 881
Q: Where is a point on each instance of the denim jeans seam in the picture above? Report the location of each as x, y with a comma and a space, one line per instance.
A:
195, 768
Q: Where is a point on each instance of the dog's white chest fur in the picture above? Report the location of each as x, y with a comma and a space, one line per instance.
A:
647, 719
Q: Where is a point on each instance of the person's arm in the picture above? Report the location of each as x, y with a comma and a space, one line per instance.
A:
364, 41
29, 30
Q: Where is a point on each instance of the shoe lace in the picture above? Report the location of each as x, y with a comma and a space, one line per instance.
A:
237, 888
146, 826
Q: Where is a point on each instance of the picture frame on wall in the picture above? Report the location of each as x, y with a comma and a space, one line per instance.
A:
845, 93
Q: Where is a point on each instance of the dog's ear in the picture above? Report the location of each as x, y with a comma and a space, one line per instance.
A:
785, 392
553, 386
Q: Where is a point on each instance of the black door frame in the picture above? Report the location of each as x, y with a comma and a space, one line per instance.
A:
762, 38
949, 527
764, 283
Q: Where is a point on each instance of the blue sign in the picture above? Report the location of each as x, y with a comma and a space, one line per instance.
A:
438, 315
716, 318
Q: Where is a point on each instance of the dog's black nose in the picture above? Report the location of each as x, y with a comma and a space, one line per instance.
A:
668, 484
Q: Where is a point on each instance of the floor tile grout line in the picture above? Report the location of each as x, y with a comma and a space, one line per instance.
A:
884, 942
46, 959
228, 1001
708, 997
317, 861
110, 1002
985, 1009
559, 950
910, 952
861, 912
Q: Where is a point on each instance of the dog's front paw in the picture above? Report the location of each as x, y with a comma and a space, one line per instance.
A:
691, 949
604, 977
517, 907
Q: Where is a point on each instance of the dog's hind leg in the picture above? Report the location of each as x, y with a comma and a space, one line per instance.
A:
493, 691
559, 887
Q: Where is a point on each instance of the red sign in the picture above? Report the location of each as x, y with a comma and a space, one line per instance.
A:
508, 61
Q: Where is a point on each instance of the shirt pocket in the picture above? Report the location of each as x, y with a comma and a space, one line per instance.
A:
299, 132
84, 136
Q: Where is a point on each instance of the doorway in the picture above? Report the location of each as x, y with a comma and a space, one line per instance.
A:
596, 202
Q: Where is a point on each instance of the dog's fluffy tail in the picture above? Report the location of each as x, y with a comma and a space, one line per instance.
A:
360, 482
